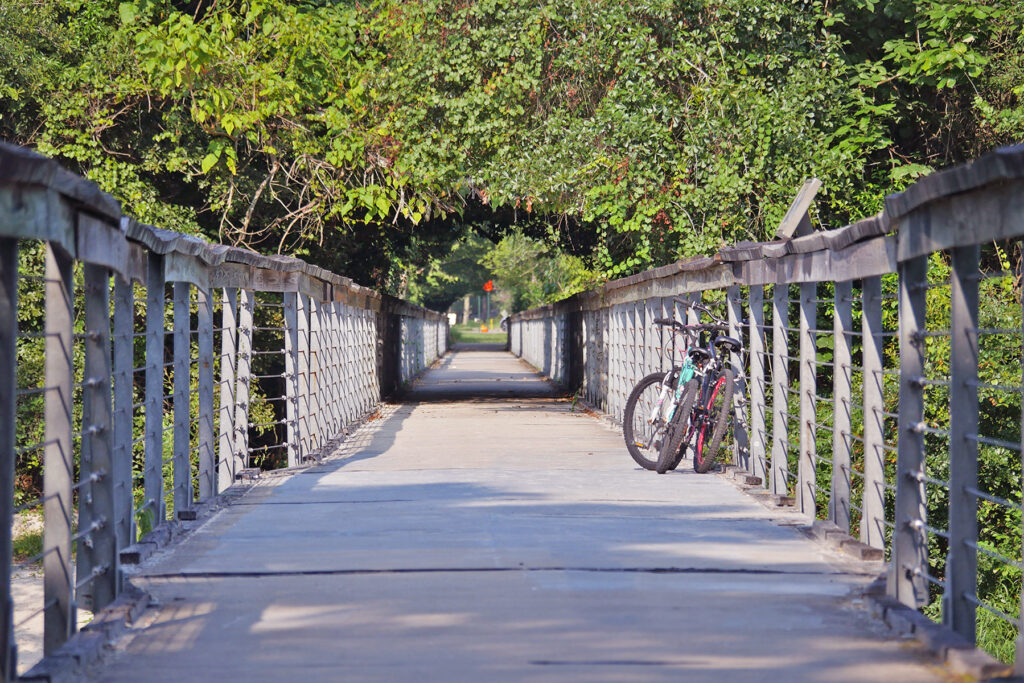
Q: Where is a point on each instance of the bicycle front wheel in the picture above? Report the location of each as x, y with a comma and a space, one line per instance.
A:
714, 422
678, 432
644, 419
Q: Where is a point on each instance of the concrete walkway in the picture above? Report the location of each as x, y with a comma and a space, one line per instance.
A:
484, 531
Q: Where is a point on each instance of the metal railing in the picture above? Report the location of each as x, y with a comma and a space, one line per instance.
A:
869, 379
143, 371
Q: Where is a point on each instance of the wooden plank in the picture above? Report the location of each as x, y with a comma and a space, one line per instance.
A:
962, 562
204, 428
154, 436
741, 449
842, 392
19, 165
758, 406
243, 380
181, 401
96, 499
102, 243
872, 522
291, 382
233, 276
1006, 163
984, 215
780, 389
305, 425
8, 413
186, 268
124, 411
865, 259
58, 457
807, 469
798, 209
228, 363
909, 561
35, 213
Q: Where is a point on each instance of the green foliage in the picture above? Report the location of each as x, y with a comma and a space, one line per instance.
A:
532, 274
636, 132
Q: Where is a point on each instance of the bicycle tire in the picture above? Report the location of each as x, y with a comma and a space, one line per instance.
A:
645, 447
718, 409
672, 447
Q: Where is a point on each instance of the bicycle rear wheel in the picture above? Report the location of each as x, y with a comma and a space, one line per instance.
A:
713, 424
643, 420
675, 436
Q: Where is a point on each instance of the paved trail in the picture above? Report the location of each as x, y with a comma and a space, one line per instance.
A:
483, 531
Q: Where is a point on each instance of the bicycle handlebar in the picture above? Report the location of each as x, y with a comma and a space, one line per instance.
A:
701, 326
699, 307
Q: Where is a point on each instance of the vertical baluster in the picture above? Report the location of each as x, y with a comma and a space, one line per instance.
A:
315, 369
758, 406
291, 380
58, 463
780, 389
909, 560
8, 412
872, 522
204, 300
228, 360
962, 563
842, 326
243, 381
741, 447
99, 550
303, 400
182, 475
1018, 668
124, 399
154, 438
807, 470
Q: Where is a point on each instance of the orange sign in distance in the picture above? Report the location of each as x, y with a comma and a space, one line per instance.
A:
489, 286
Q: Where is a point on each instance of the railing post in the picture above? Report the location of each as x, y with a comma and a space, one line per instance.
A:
780, 389
842, 387
1018, 668
124, 400
807, 471
228, 359
872, 521
246, 306
758, 407
182, 476
741, 423
154, 438
8, 414
291, 379
58, 463
204, 301
98, 550
909, 562
303, 399
962, 563
316, 349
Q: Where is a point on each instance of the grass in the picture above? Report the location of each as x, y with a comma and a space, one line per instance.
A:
472, 334
27, 545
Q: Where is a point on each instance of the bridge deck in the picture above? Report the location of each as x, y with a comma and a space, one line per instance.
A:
505, 537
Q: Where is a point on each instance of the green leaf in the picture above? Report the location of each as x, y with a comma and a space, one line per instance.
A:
209, 161
128, 13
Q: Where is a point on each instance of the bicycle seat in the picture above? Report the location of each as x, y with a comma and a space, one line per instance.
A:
700, 355
728, 343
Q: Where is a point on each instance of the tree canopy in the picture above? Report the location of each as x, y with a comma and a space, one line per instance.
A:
372, 137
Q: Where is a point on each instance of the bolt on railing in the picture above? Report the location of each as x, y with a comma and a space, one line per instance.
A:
877, 387
144, 371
